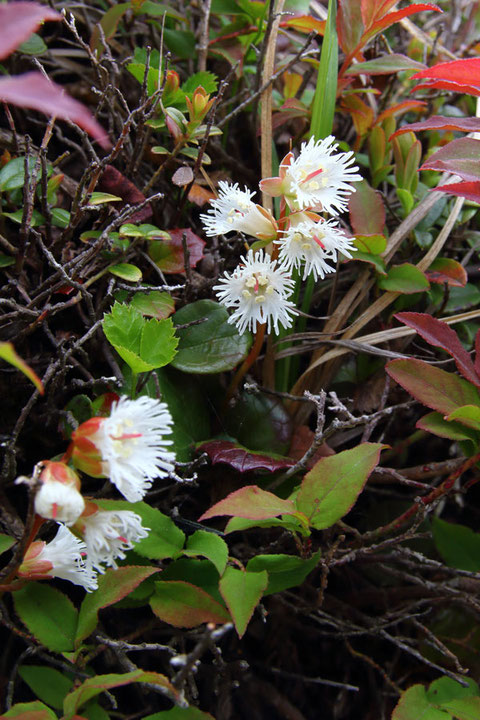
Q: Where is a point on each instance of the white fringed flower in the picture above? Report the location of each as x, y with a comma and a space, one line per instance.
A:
318, 179
258, 290
109, 534
313, 242
62, 558
128, 447
234, 210
60, 502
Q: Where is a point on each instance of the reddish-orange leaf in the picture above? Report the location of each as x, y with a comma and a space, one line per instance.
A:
447, 270
399, 109
464, 72
393, 17
18, 20
468, 190
438, 122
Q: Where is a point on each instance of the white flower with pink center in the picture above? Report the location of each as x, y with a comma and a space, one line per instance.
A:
234, 210
318, 179
63, 558
258, 289
312, 242
131, 444
109, 534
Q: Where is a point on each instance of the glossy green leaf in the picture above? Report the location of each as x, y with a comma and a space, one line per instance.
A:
405, 278
165, 539
284, 571
208, 545
99, 198
260, 423
374, 244
177, 713
6, 542
113, 586
435, 423
384, 65
468, 415
211, 346
17, 217
126, 271
184, 605
48, 684
332, 486
60, 218
48, 614
323, 108
414, 704
153, 304
435, 388
143, 344
12, 175
242, 590
457, 544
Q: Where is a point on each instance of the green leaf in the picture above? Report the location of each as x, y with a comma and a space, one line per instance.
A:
405, 278
60, 217
375, 244
180, 43
375, 260
445, 690
33, 46
211, 346
201, 573
48, 684
324, 100
189, 403
143, 344
457, 544
284, 571
468, 415
332, 486
6, 542
384, 65
12, 175
165, 539
113, 586
17, 217
184, 605
288, 522
242, 591
208, 545
251, 502
99, 198
413, 705
6, 260
94, 711
407, 200
95, 685
126, 271
48, 614
30, 711
260, 423
435, 423
464, 709
205, 79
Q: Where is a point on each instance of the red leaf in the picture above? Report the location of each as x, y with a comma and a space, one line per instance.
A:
18, 20
460, 156
33, 90
469, 190
461, 72
393, 17
446, 270
435, 388
367, 212
439, 334
372, 9
449, 86
241, 459
168, 254
399, 109
251, 502
200, 195
437, 122
349, 25
112, 181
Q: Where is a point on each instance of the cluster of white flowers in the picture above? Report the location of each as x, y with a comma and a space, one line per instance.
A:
316, 181
129, 447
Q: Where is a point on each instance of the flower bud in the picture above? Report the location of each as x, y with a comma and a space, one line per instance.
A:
58, 497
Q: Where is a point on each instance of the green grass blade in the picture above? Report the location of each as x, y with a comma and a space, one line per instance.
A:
323, 108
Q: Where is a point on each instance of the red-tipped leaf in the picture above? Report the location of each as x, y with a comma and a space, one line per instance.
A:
465, 72
439, 334
253, 503
468, 190
438, 122
460, 156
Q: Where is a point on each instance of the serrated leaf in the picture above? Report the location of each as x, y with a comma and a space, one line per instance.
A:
447, 270
374, 244
126, 271
468, 415
184, 605
332, 486
435, 423
48, 614
460, 156
154, 304
284, 571
165, 539
208, 545
413, 704
242, 591
48, 684
143, 344
113, 586
251, 502
205, 79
